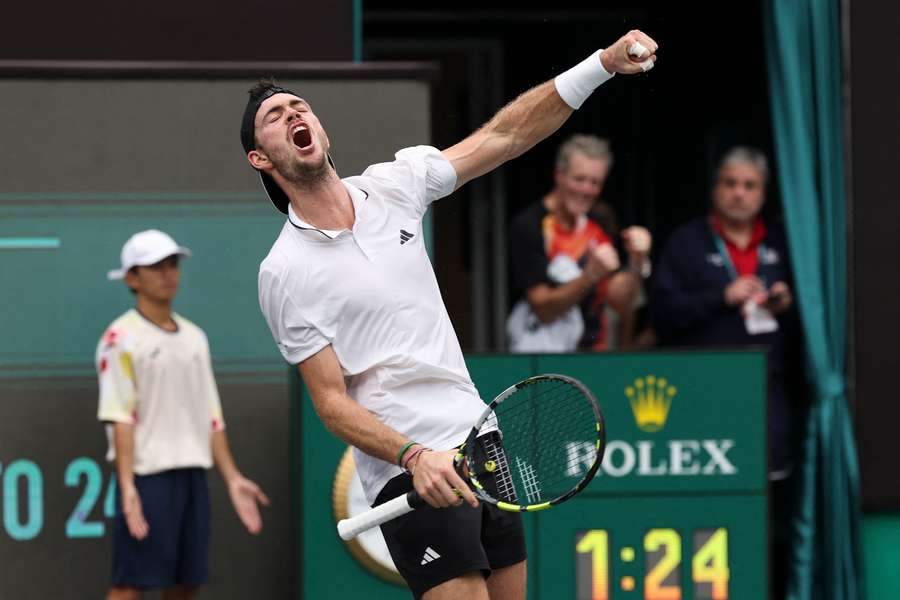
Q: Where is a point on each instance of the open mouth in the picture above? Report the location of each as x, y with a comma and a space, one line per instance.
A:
301, 136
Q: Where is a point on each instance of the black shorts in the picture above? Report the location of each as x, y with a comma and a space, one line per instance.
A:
433, 545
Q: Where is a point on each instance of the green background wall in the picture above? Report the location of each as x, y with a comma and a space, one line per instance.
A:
881, 555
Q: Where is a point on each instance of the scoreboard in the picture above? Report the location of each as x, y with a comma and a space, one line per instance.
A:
678, 509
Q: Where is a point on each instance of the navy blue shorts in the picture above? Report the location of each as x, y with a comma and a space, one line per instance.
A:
176, 507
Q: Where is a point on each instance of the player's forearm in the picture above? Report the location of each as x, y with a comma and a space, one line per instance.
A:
355, 425
349, 421
541, 110
223, 458
123, 439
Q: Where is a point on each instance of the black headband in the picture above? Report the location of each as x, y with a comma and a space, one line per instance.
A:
248, 141
248, 123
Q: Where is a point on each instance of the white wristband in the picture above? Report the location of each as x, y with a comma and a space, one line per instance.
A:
576, 84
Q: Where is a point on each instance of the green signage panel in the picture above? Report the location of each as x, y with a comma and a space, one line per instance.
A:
678, 508
688, 422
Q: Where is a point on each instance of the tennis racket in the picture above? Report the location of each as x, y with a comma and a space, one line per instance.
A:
536, 445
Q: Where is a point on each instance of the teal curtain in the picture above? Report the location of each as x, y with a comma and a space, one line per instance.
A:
803, 53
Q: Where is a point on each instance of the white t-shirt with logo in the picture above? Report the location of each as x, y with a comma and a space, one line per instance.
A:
162, 383
371, 293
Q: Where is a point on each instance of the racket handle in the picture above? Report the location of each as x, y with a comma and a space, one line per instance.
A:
399, 506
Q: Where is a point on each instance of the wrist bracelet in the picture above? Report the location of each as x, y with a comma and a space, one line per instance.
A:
412, 455
403, 451
575, 85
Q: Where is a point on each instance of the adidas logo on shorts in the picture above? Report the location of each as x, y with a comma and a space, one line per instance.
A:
429, 556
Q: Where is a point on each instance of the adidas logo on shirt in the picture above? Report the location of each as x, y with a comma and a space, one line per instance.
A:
405, 236
429, 556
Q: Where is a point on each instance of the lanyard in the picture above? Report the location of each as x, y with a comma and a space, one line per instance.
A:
726, 257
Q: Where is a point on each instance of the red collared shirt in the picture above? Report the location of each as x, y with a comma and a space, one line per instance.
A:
745, 260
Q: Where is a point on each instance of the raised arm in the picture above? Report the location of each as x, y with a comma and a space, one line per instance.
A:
541, 110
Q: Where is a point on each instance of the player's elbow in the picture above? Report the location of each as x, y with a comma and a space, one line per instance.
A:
329, 410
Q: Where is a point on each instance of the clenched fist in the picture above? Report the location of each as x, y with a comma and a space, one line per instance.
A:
602, 260
634, 52
637, 242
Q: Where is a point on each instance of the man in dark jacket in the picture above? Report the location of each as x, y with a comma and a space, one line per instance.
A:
723, 280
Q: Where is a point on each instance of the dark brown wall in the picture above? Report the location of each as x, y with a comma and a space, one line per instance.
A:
875, 146
178, 30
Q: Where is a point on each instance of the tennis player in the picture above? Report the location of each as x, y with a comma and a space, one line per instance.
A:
351, 298
164, 420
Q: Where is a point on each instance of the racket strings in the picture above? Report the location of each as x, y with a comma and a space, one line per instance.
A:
503, 477
549, 438
529, 481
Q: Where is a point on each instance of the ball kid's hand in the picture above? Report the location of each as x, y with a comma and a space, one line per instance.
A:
134, 512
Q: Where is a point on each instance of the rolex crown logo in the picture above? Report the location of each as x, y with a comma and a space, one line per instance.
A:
650, 400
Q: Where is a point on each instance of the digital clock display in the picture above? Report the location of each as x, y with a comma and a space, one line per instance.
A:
664, 555
653, 548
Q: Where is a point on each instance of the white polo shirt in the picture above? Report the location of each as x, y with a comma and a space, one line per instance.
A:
372, 294
162, 383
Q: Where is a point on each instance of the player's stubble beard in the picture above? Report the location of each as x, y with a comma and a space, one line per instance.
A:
305, 176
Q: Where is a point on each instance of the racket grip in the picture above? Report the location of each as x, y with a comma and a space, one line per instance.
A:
399, 506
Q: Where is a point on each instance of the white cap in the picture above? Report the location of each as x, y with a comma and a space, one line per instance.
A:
146, 248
